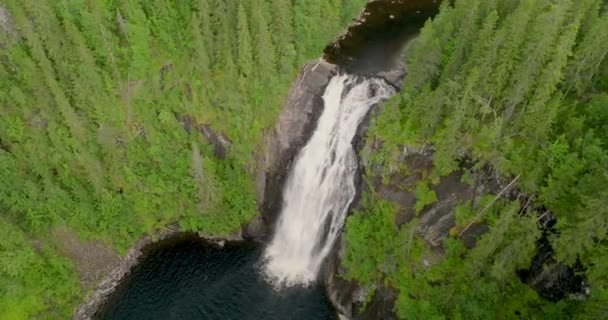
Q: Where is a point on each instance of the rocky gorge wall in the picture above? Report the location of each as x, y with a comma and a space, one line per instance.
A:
295, 125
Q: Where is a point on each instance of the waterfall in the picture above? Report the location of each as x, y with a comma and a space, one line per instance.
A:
321, 186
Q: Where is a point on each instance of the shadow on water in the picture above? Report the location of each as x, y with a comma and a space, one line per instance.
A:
375, 41
186, 277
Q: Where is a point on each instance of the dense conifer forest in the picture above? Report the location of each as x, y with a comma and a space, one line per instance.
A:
102, 104
520, 86
92, 133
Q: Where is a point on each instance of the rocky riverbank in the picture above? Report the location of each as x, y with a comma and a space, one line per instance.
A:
126, 262
88, 308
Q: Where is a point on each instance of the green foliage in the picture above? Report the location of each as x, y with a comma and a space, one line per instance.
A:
371, 241
424, 196
34, 282
93, 97
91, 93
227, 202
463, 213
520, 86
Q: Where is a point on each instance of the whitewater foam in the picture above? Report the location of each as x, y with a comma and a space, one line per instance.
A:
321, 186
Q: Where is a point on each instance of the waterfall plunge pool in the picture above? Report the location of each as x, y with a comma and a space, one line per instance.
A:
186, 277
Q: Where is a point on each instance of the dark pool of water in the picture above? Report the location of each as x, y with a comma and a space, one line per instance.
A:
377, 42
187, 278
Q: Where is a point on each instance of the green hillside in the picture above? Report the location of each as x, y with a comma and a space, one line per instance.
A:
92, 93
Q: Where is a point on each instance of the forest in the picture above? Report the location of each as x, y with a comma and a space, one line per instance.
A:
94, 97
520, 86
93, 94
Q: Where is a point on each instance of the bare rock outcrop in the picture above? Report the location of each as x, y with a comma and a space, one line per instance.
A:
435, 221
220, 142
6, 24
295, 125
87, 309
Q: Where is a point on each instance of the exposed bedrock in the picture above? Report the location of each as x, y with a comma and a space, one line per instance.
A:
295, 125
436, 220
551, 279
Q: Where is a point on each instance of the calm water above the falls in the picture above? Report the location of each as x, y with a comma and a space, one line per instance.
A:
186, 278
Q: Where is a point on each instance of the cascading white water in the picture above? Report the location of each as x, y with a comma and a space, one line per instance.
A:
321, 186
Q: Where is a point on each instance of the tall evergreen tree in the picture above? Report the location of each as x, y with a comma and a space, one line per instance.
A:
245, 57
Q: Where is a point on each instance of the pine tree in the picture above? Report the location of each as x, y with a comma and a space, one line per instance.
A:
245, 58
264, 51
588, 56
283, 34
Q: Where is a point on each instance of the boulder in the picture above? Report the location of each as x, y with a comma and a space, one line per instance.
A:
255, 229
235, 235
395, 75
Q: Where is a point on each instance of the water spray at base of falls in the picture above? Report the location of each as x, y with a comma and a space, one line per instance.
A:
321, 186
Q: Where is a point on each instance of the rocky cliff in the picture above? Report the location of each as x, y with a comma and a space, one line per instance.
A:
436, 220
295, 125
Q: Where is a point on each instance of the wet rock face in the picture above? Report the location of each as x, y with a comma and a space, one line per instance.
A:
256, 228
550, 278
395, 75
341, 292
295, 125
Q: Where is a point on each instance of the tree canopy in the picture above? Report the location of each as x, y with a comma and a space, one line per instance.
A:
519, 86
92, 133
